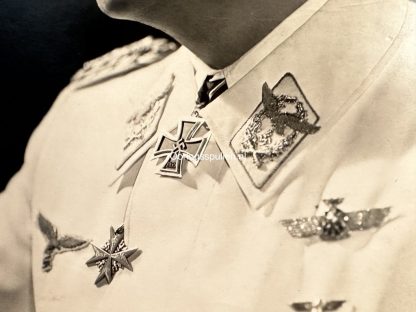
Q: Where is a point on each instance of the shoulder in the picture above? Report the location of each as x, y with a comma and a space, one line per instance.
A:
114, 79
123, 60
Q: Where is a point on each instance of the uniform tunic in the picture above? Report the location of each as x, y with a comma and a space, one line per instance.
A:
212, 241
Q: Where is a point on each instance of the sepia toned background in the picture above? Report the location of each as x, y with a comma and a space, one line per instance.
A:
43, 43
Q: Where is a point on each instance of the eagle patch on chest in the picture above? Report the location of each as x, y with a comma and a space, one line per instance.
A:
57, 244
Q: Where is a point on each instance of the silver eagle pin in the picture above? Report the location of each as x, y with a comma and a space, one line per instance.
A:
319, 306
113, 256
56, 244
188, 143
335, 224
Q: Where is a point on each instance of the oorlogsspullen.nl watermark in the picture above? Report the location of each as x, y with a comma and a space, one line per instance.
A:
207, 157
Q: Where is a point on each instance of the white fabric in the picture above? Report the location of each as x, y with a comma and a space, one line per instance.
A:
213, 241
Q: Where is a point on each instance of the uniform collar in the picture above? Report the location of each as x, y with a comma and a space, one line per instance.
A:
335, 49
234, 72
335, 56
180, 102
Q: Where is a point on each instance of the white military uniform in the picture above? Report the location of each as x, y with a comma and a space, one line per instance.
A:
213, 241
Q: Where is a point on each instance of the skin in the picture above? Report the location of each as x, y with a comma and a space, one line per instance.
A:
217, 31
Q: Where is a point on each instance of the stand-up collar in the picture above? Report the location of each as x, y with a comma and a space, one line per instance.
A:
334, 56
334, 50
234, 72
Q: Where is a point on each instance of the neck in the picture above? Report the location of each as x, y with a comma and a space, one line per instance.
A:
221, 33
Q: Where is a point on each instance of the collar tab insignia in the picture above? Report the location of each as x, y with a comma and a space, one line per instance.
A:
189, 143
56, 244
282, 120
335, 224
143, 123
112, 257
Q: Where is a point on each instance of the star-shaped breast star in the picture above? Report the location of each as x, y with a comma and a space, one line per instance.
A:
113, 256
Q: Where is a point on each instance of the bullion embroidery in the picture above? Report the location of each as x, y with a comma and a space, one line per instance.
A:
139, 122
56, 244
335, 224
189, 143
122, 60
112, 257
319, 306
260, 143
142, 124
274, 130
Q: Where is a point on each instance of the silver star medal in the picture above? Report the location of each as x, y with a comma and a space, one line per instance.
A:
188, 143
112, 257
56, 244
319, 306
336, 224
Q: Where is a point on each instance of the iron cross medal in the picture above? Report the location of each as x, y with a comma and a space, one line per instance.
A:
56, 244
188, 143
112, 257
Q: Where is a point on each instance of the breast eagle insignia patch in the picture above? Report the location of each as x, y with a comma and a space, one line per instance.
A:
57, 244
278, 125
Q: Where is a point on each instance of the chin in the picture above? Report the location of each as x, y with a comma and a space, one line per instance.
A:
115, 8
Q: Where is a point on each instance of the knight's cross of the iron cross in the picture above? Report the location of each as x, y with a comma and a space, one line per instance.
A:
188, 143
